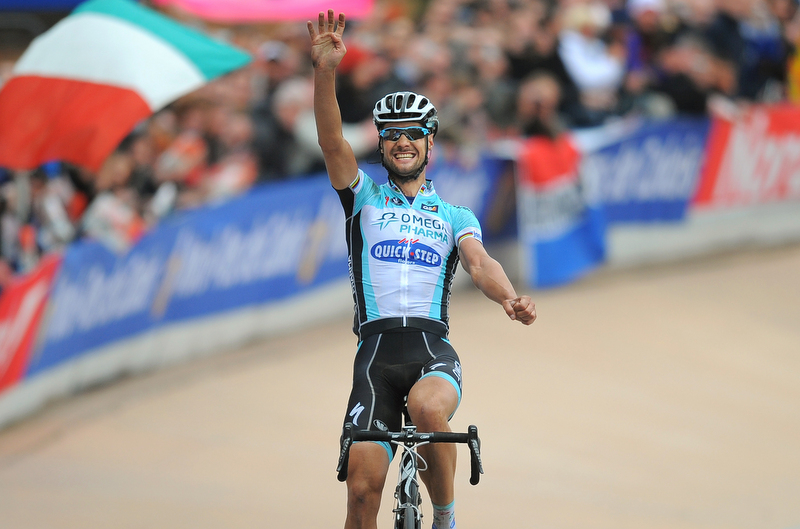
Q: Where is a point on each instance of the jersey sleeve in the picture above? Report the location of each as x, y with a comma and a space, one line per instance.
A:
465, 225
358, 193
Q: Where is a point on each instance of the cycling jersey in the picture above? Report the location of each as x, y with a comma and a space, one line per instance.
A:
402, 257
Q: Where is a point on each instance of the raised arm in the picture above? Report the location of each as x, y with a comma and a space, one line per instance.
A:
490, 278
327, 51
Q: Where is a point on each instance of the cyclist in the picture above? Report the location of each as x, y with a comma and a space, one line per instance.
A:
404, 245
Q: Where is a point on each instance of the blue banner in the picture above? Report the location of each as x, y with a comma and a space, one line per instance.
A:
485, 186
562, 233
273, 243
563, 237
650, 173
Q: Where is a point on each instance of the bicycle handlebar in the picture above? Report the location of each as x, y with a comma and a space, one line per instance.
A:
409, 439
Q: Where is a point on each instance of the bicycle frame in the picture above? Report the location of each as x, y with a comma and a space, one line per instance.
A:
407, 512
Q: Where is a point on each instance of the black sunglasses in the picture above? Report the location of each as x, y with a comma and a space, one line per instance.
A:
412, 133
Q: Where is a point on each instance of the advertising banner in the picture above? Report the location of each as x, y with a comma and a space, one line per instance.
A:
485, 186
275, 242
650, 174
561, 233
752, 159
21, 306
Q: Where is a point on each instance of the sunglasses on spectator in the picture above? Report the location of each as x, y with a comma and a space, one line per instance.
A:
412, 133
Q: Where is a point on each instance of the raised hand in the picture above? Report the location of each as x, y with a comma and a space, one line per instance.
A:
327, 46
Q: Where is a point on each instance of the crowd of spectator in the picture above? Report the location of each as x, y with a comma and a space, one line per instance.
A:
496, 69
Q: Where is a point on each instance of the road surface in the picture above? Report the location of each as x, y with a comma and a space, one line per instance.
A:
663, 397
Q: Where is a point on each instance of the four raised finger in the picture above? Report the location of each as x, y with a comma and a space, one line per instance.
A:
329, 25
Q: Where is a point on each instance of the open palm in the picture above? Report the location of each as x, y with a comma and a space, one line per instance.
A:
327, 46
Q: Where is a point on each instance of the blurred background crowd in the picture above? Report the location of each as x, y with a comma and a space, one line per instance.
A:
495, 69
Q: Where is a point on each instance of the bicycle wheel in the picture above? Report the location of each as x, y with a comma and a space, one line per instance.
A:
408, 502
411, 518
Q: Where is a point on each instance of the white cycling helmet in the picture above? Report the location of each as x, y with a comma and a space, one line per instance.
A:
405, 106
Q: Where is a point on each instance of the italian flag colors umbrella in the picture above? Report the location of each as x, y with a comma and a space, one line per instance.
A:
82, 86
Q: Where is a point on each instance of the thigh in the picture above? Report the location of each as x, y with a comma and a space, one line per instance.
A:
376, 403
444, 363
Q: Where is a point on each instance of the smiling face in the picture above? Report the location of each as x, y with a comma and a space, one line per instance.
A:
404, 157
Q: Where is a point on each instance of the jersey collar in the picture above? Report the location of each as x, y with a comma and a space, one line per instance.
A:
426, 190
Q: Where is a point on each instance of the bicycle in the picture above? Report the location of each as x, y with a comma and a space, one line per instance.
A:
407, 511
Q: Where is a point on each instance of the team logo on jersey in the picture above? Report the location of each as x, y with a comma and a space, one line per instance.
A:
385, 219
406, 251
433, 208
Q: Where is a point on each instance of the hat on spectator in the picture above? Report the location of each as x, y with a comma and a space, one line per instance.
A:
637, 7
594, 15
273, 50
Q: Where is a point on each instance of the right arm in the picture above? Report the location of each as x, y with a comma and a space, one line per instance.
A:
327, 51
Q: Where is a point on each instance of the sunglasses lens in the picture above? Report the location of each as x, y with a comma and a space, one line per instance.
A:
412, 133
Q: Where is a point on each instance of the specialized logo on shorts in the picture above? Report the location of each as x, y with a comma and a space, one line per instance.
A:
406, 251
380, 425
457, 371
356, 412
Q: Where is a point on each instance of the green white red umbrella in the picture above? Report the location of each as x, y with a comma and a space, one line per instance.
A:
82, 86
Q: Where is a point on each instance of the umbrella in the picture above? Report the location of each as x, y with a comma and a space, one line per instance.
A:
82, 86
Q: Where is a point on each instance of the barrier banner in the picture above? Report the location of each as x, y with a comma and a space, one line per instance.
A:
752, 159
650, 174
485, 186
21, 306
275, 242
562, 235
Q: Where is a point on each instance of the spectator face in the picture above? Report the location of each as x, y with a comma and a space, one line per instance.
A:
537, 105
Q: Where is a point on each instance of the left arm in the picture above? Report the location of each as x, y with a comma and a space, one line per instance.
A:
490, 278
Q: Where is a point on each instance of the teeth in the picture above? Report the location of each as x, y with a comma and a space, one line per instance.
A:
405, 155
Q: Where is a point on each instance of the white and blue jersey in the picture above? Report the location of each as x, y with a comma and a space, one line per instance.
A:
402, 256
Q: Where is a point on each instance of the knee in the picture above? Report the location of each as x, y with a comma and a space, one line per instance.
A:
363, 493
430, 413
366, 476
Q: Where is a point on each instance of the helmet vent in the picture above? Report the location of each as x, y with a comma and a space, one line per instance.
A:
405, 106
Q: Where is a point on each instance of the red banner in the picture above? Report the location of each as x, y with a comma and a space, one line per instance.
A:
753, 159
21, 306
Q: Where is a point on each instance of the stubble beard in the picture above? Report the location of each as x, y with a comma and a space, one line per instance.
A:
398, 177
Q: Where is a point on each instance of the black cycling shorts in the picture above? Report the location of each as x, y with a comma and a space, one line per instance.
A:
387, 365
